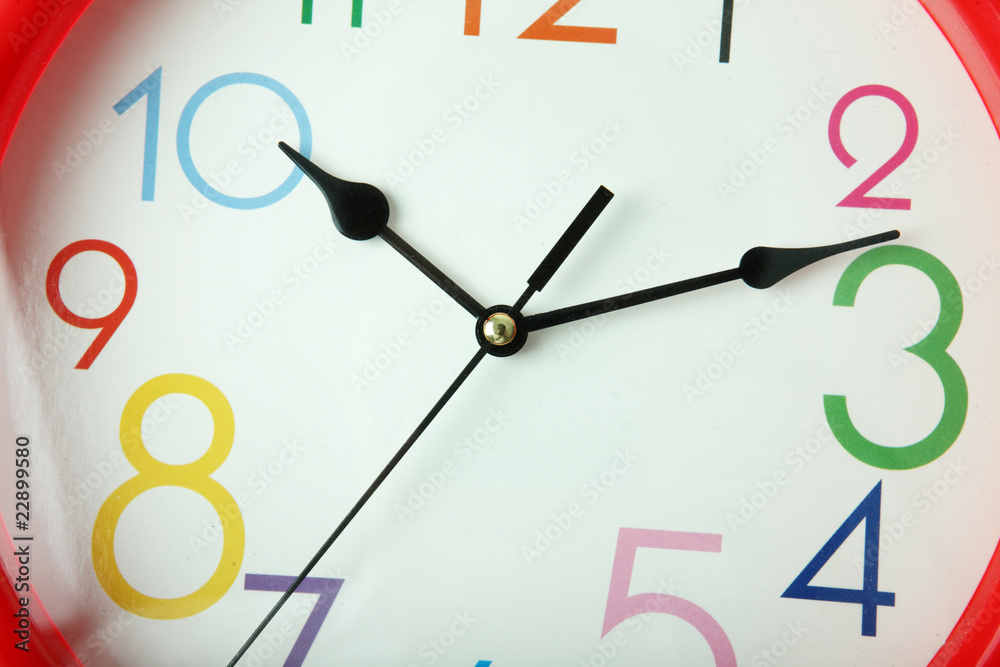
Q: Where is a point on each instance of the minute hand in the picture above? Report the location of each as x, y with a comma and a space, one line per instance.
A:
760, 267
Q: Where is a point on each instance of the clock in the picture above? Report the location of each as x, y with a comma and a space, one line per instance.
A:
644, 333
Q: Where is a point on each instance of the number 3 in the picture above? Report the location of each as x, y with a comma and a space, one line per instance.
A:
932, 349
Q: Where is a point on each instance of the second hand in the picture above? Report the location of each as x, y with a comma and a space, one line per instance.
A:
361, 501
536, 282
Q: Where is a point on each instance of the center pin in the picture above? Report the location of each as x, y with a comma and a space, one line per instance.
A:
499, 328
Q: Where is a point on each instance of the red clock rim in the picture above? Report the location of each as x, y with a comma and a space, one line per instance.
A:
35, 31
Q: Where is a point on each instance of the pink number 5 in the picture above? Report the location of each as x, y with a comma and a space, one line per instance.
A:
859, 196
622, 606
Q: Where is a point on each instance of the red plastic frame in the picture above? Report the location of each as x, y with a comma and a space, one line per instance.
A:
34, 30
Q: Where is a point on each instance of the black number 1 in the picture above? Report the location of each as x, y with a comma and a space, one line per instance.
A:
727, 30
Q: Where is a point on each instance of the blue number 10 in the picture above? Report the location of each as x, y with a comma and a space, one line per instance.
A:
150, 88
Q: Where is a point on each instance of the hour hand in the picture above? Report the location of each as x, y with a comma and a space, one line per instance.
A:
360, 212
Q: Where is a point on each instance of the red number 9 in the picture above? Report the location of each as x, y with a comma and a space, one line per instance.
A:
110, 322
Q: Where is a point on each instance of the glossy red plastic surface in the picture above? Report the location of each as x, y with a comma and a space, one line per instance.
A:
34, 30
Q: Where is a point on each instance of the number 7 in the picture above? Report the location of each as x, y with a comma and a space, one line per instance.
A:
327, 590
622, 606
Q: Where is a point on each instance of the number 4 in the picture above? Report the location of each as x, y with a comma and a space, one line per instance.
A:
622, 606
869, 597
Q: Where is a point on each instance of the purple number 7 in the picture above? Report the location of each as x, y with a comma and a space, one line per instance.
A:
327, 590
622, 606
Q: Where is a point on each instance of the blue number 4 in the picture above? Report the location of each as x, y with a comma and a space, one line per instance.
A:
869, 597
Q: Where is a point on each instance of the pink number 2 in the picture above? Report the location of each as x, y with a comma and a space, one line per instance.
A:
859, 196
622, 606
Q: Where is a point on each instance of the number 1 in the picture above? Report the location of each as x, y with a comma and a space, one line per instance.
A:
150, 89
727, 31
473, 16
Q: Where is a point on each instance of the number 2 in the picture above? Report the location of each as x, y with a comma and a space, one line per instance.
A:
858, 198
546, 28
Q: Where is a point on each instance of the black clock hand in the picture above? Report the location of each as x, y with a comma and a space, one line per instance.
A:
760, 267
360, 212
499, 328
361, 501
553, 260
564, 246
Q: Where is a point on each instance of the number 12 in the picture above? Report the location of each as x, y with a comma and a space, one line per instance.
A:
546, 27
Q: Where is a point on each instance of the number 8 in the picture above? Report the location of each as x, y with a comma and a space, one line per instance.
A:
193, 476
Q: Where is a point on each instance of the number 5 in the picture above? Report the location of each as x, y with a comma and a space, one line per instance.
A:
622, 606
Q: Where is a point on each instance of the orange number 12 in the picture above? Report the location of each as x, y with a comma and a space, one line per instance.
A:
545, 27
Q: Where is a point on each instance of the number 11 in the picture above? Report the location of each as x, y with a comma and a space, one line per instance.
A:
356, 8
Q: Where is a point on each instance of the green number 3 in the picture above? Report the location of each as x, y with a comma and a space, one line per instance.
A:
932, 349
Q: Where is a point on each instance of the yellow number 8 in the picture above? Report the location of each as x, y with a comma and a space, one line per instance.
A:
154, 473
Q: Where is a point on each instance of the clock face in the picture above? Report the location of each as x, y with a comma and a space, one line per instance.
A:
203, 375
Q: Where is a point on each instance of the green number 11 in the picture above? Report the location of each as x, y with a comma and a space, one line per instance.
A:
356, 7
